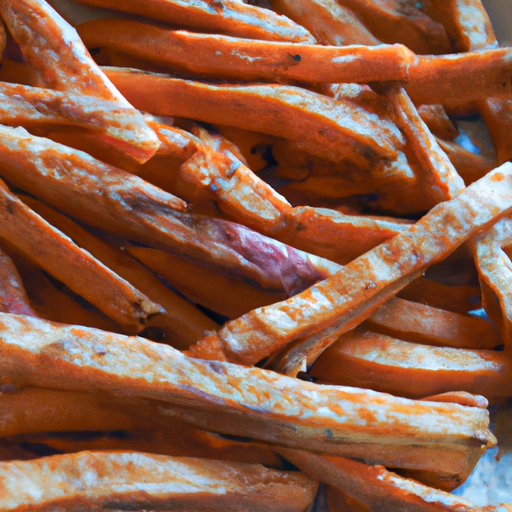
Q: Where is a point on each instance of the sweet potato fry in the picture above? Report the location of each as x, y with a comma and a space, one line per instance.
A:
76, 268
244, 401
218, 56
180, 324
396, 21
379, 489
321, 124
103, 479
13, 298
106, 197
338, 304
438, 122
459, 299
232, 17
64, 63
3, 39
327, 20
379, 362
22, 105
416, 322
218, 292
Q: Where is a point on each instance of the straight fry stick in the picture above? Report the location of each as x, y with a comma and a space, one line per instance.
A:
327, 20
234, 17
104, 196
13, 298
416, 322
379, 489
214, 55
379, 362
320, 123
181, 323
338, 304
244, 401
84, 274
64, 63
101, 479
22, 105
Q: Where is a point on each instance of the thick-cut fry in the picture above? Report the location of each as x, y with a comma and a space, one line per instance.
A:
97, 480
76, 268
3, 38
379, 362
438, 122
419, 323
379, 489
332, 129
181, 324
246, 401
338, 304
213, 55
327, 20
230, 17
54, 47
13, 298
107, 197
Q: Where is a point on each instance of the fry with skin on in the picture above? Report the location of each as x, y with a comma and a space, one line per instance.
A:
219, 56
63, 62
231, 17
376, 361
328, 309
13, 297
81, 272
106, 197
100, 479
245, 401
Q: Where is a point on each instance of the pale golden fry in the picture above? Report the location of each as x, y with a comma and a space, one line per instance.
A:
246, 401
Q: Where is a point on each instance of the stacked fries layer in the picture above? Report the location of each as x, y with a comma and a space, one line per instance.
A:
246, 249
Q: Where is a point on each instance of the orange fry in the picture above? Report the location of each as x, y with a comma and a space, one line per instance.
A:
13, 297
100, 479
181, 324
219, 56
332, 129
328, 21
394, 21
376, 488
386, 364
245, 401
106, 197
22, 105
416, 322
3, 38
76, 268
438, 122
328, 309
55, 49
232, 17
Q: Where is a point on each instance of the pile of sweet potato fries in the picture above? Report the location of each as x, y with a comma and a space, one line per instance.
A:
250, 259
